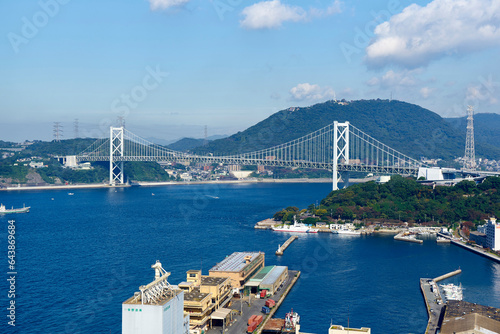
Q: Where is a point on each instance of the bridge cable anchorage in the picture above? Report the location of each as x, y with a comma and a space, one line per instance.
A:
338, 147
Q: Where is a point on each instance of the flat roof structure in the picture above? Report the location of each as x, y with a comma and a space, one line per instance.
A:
221, 313
239, 267
195, 295
274, 274
262, 273
235, 262
212, 281
136, 300
464, 317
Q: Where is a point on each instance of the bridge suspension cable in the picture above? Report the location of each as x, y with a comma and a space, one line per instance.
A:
339, 147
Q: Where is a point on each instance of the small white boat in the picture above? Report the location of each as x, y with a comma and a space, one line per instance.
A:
452, 291
346, 231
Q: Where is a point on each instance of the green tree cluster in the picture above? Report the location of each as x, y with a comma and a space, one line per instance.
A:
405, 199
287, 214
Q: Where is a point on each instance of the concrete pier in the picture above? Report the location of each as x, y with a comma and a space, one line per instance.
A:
442, 277
278, 303
433, 300
476, 250
433, 303
287, 243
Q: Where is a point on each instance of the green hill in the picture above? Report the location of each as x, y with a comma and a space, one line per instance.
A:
186, 144
405, 127
406, 200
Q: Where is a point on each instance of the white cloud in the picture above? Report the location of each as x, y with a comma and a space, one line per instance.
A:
485, 91
419, 35
272, 14
425, 92
392, 79
164, 4
306, 91
334, 8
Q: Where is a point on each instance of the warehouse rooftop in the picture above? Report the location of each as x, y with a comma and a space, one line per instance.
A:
236, 262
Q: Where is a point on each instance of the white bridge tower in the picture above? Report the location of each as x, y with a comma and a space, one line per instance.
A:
116, 148
340, 152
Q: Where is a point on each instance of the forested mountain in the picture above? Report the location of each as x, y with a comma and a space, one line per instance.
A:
406, 200
405, 127
185, 144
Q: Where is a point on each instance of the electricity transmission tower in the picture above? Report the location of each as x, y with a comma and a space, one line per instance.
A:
470, 154
57, 131
75, 124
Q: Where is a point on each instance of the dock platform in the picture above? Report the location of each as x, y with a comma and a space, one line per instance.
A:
282, 248
402, 237
433, 300
246, 306
278, 303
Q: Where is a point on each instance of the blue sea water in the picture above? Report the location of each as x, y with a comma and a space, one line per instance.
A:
78, 257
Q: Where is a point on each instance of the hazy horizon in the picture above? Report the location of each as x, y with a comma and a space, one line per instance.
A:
172, 67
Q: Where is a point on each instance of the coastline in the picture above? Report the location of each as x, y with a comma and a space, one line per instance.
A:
168, 183
477, 251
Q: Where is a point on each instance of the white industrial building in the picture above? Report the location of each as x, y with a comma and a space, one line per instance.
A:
493, 234
158, 308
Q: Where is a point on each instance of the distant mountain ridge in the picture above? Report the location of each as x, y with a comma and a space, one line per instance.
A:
406, 127
186, 144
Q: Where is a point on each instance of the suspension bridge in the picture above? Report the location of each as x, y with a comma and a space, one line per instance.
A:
338, 147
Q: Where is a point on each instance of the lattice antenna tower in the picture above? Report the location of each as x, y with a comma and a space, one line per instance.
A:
57, 131
205, 141
75, 128
470, 154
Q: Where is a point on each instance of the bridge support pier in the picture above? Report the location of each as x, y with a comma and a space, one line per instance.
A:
115, 150
345, 178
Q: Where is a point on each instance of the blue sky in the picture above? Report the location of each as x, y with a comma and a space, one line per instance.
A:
170, 67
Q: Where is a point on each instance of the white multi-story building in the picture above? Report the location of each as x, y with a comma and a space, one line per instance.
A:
158, 308
482, 228
493, 234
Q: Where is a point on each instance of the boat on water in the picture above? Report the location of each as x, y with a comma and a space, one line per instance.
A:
296, 227
4, 210
452, 291
292, 321
346, 231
